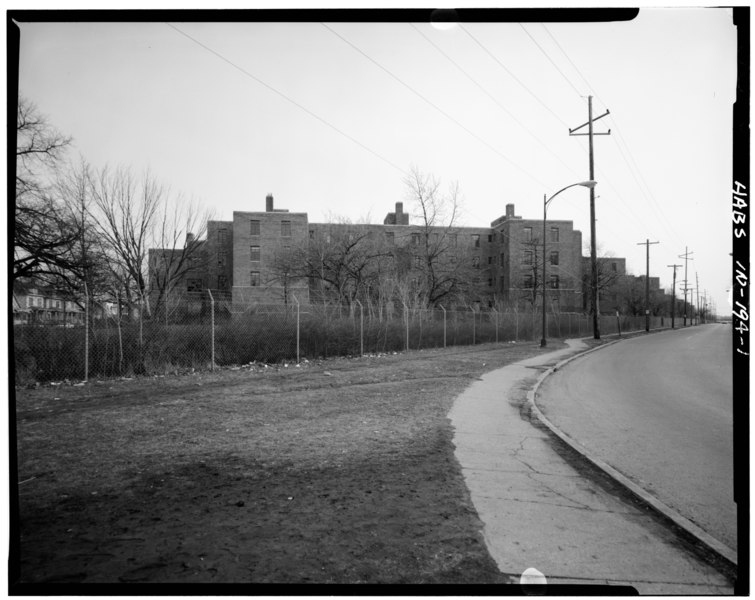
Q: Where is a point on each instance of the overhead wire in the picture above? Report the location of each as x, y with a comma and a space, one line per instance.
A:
514, 77
569, 82
493, 98
432, 104
534, 41
620, 138
288, 99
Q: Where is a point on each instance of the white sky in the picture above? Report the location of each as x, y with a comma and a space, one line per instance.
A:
146, 96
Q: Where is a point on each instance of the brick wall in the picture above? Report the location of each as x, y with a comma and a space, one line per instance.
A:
270, 240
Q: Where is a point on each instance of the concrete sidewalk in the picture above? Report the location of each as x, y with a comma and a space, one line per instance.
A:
538, 511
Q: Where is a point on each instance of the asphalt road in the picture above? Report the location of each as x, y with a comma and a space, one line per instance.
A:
658, 408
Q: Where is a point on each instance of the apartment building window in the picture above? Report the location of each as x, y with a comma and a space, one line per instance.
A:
528, 281
528, 234
415, 239
311, 234
476, 262
286, 228
255, 254
193, 285
57, 304
490, 282
490, 260
254, 278
222, 236
417, 262
554, 234
490, 238
502, 256
436, 237
390, 237
554, 282
222, 258
554, 258
528, 257
476, 240
222, 282
254, 227
503, 286
613, 267
454, 239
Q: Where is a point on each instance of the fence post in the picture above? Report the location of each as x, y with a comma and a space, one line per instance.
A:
212, 330
618, 323
496, 325
444, 324
473, 325
361, 328
298, 361
406, 318
86, 332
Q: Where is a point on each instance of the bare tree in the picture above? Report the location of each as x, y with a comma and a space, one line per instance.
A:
287, 269
148, 233
445, 271
178, 250
42, 235
343, 262
94, 274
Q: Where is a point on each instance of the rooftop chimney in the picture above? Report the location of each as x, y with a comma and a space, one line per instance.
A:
401, 217
189, 238
269, 203
510, 211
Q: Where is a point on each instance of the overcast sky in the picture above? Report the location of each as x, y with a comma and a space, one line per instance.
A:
329, 117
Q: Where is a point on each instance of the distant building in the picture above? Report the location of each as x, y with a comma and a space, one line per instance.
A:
40, 305
35, 303
239, 256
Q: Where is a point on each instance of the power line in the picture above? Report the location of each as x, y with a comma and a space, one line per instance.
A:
589, 87
495, 58
493, 98
620, 139
604, 178
649, 195
440, 110
534, 41
287, 98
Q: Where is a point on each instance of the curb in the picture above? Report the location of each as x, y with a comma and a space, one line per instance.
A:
721, 551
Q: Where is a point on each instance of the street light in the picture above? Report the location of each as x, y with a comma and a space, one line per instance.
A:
588, 184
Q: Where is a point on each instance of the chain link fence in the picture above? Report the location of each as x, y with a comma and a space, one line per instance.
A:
205, 330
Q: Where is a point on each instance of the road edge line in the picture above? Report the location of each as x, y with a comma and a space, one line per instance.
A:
722, 551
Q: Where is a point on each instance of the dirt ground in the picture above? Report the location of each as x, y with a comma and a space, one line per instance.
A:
337, 471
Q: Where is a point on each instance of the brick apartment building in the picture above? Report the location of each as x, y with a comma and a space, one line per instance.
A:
506, 257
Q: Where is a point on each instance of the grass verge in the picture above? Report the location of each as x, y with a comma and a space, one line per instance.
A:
338, 471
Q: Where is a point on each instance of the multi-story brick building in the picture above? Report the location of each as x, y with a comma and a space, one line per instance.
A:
503, 262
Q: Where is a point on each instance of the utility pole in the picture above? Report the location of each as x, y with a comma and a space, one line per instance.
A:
686, 257
647, 243
673, 295
593, 255
697, 291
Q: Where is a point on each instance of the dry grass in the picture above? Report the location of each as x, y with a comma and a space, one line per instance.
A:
340, 471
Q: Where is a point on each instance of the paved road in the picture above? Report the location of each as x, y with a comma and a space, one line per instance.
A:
658, 408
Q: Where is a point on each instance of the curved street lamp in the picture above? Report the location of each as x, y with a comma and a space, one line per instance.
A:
588, 184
